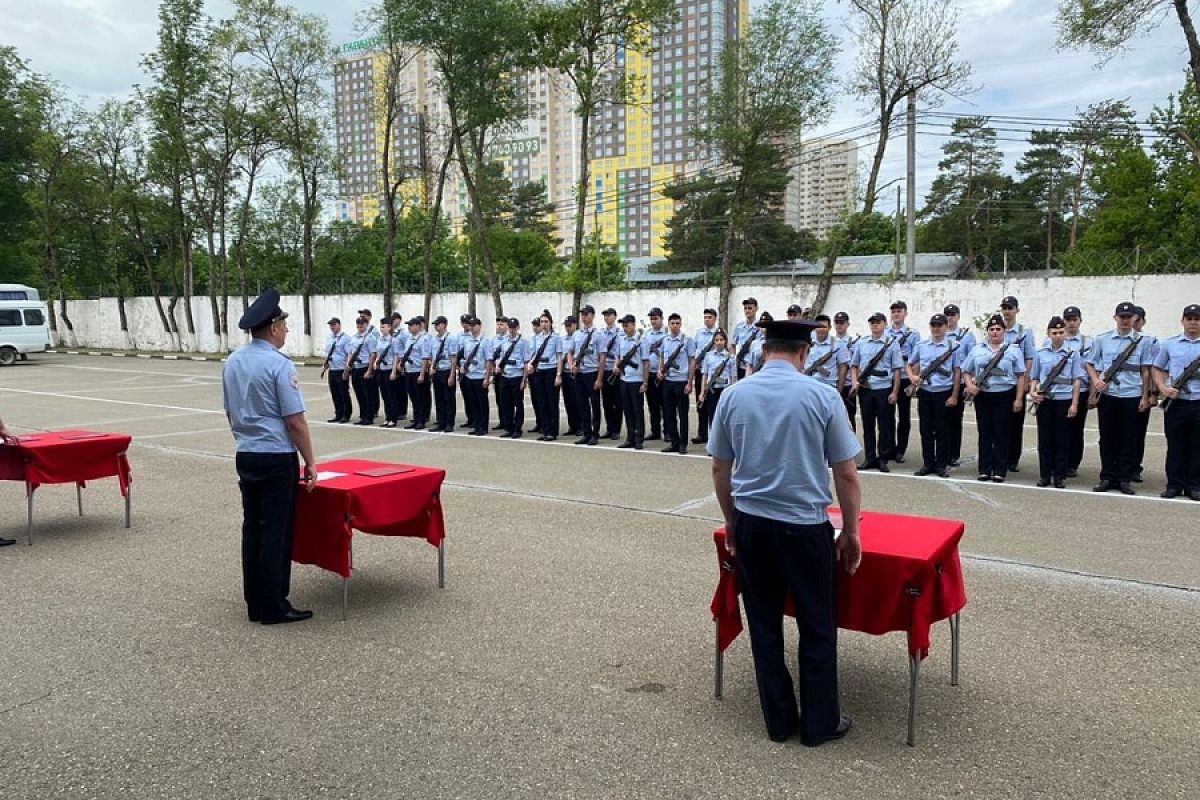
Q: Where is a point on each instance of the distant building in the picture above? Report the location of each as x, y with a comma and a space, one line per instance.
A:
823, 186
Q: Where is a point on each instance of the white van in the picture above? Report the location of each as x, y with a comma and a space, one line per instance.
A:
23, 325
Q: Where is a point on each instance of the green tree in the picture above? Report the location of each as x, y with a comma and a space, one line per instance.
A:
1107, 26
1043, 188
17, 132
963, 195
1097, 126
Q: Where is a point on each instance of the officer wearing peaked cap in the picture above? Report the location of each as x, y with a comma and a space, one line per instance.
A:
1177, 372
263, 403
777, 526
1125, 357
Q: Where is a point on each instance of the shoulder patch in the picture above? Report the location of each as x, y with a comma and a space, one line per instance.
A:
295, 381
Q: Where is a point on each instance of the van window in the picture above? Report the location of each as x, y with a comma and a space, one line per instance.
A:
9, 294
10, 318
33, 316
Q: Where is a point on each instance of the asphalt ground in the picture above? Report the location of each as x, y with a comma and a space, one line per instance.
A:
570, 654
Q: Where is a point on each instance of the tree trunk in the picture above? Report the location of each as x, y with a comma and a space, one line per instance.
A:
581, 193
389, 198
435, 218
306, 258
476, 213
1189, 33
1077, 201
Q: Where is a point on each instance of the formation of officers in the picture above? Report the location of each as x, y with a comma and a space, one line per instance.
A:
612, 376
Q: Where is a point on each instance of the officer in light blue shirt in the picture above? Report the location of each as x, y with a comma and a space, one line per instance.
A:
441, 366
876, 384
961, 335
461, 340
743, 332
828, 359
773, 439
510, 364
416, 382
473, 367
678, 365
1081, 344
704, 345
1023, 339
261, 394
841, 335
1139, 322
544, 373
381, 368
653, 339
362, 348
1054, 388
335, 363
1121, 398
995, 376
570, 391
934, 372
906, 339
630, 365
610, 394
1177, 373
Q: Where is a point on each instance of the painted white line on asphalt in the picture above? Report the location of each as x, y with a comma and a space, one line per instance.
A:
693, 504
141, 437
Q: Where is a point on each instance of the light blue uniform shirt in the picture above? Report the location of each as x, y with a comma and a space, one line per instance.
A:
1044, 362
718, 367
1128, 381
414, 352
475, 355
1081, 344
588, 357
881, 376
568, 347
828, 372
624, 346
653, 339
929, 351
383, 353
608, 345
520, 355
782, 430
754, 359
678, 371
964, 337
703, 338
906, 339
368, 341
260, 387
399, 344
335, 350
851, 344
448, 350
1003, 375
741, 332
1022, 339
549, 359
1174, 356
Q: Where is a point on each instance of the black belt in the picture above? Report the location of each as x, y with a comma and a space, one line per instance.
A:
880, 373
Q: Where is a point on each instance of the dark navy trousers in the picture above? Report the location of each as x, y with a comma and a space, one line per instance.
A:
268, 482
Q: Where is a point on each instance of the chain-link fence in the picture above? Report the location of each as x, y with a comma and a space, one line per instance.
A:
1138, 261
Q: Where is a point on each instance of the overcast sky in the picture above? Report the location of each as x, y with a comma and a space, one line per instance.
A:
94, 47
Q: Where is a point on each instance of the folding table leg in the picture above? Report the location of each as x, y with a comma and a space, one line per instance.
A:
29, 508
955, 630
914, 671
79, 497
718, 662
128, 507
346, 581
442, 564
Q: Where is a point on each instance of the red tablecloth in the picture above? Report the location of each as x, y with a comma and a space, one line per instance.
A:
404, 504
910, 578
67, 457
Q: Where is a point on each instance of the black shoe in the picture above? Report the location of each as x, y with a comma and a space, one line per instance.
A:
410, 426
7, 542
293, 615
1171, 491
550, 438
670, 449
614, 435
477, 433
533, 430
843, 727
699, 440
1103, 486
1043, 482
1194, 494
1014, 467
361, 422
943, 473
883, 467
420, 427
515, 435
1072, 472
335, 419
1059, 484
1125, 488
1137, 478
924, 471
465, 425
593, 441
997, 479
984, 477
899, 458
583, 440
639, 446
954, 462
572, 432
654, 437
872, 464
625, 445
343, 421
497, 427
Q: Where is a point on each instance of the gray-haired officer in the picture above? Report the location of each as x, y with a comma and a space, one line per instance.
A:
828, 359
653, 338
1080, 343
963, 337
1121, 398
335, 362
475, 364
1022, 338
265, 409
935, 369
773, 440
610, 394
744, 334
631, 367
1177, 372
875, 381
441, 366
841, 335
585, 368
906, 339
704, 339
676, 373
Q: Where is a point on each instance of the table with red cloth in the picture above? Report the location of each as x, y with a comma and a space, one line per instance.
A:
398, 500
72, 456
910, 577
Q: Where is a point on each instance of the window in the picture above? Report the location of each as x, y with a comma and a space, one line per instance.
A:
10, 318
33, 316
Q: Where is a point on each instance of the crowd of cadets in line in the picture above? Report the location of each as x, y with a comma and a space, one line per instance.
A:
611, 374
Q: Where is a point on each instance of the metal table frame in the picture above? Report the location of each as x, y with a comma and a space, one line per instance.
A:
914, 672
441, 569
29, 490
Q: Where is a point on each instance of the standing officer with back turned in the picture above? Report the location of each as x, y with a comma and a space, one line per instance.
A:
773, 439
266, 412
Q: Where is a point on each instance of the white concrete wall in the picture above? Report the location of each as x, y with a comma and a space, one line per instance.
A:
1163, 296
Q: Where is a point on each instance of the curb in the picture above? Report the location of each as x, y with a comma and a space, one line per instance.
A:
163, 356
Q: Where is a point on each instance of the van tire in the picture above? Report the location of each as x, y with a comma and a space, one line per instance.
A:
8, 356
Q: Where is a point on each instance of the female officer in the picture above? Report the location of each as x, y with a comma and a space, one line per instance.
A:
995, 376
717, 372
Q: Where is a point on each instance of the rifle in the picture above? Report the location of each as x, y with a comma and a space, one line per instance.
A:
507, 356
404, 361
744, 350
930, 370
991, 365
670, 365
626, 362
716, 372
441, 349
1051, 377
329, 355
581, 352
711, 341
1181, 382
820, 362
1110, 374
352, 359
865, 375
465, 370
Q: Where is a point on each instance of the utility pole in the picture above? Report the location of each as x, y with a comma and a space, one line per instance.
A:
897, 231
423, 144
596, 241
911, 227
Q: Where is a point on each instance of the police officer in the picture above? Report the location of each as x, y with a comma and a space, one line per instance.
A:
631, 370
964, 339
570, 394
841, 334
828, 359
1139, 323
412, 365
994, 373
754, 356
610, 393
677, 366
704, 345
499, 342
545, 376
906, 339
717, 374
653, 338
1022, 339
1120, 399
265, 409
875, 381
778, 528
399, 390
1176, 356
361, 347
369, 384
380, 371
1056, 402
1082, 344
475, 366
335, 362
935, 369
744, 334
441, 366
465, 321
510, 367
585, 368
